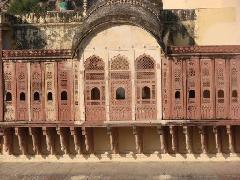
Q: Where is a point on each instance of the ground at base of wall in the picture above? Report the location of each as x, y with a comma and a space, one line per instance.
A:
121, 171
131, 157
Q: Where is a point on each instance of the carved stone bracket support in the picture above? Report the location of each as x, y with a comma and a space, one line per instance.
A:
87, 139
61, 132
7, 141
1, 140
186, 132
21, 135
173, 137
49, 139
203, 139
77, 139
160, 132
138, 139
230, 139
35, 134
217, 139
113, 136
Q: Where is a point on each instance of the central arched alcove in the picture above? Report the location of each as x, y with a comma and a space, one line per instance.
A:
120, 48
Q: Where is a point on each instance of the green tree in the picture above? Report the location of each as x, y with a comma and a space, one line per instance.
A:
26, 6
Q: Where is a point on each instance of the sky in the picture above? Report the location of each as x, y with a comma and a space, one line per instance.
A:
192, 4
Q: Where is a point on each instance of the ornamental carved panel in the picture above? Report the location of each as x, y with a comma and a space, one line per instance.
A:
120, 86
207, 89
9, 79
178, 89
65, 84
37, 101
193, 89
22, 91
222, 88
166, 87
50, 90
94, 89
234, 89
145, 88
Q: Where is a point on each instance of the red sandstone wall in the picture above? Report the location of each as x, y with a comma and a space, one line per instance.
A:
197, 88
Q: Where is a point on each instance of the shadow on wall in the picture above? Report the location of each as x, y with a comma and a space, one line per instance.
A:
22, 35
179, 27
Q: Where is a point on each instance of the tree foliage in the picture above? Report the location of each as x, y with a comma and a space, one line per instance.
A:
25, 6
39, 6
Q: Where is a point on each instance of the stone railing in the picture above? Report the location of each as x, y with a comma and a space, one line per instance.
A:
44, 18
178, 14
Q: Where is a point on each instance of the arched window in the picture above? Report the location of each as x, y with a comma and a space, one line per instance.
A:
234, 94
177, 95
64, 96
146, 93
191, 94
49, 96
220, 93
8, 97
22, 96
206, 94
95, 94
36, 96
120, 93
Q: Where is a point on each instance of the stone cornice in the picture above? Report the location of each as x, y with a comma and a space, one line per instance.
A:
36, 54
203, 50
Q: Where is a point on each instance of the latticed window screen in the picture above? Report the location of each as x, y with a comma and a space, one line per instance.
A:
146, 87
120, 85
94, 89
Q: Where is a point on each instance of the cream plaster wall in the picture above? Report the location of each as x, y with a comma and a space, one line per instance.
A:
218, 26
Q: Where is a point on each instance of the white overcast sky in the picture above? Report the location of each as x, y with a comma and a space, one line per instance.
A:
192, 4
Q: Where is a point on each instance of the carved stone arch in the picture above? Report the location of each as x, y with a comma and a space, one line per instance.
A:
104, 14
95, 83
146, 108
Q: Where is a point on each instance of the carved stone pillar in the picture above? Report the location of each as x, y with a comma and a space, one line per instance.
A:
107, 91
230, 139
160, 132
138, 139
76, 139
1, 79
203, 139
186, 132
21, 135
49, 139
87, 133
113, 138
35, 134
217, 139
62, 135
173, 137
7, 141
85, 7
81, 91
